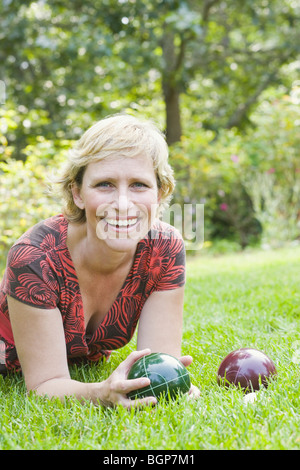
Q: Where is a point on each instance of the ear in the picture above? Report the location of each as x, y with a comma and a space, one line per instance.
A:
158, 208
159, 195
76, 193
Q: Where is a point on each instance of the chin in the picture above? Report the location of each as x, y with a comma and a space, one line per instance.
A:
121, 245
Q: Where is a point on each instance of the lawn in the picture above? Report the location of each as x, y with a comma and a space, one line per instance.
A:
231, 301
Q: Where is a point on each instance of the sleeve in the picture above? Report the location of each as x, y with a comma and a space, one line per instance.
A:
30, 278
171, 258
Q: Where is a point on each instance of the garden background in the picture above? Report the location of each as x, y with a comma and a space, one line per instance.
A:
221, 79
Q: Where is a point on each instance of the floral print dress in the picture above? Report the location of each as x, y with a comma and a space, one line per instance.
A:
40, 273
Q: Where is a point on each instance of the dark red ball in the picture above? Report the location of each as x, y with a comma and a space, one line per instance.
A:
247, 368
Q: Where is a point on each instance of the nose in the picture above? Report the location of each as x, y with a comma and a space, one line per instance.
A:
123, 203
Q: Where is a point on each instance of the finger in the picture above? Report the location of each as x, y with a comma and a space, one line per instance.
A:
140, 402
124, 386
135, 384
186, 360
194, 392
145, 401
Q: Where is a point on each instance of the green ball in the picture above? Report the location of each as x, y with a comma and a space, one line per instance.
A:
168, 376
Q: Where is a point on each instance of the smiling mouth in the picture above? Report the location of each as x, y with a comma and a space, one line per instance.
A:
121, 223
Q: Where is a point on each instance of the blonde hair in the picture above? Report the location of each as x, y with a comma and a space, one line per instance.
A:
114, 135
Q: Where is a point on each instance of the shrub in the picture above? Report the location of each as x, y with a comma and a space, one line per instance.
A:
209, 171
24, 192
249, 183
273, 178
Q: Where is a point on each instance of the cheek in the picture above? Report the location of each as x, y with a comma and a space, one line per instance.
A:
148, 198
95, 204
148, 204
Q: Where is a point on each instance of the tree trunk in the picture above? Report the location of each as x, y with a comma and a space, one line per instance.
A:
242, 110
170, 87
173, 119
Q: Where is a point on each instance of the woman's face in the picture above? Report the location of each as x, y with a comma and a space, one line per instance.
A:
120, 198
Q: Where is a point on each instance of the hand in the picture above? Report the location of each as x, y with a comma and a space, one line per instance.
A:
117, 386
194, 391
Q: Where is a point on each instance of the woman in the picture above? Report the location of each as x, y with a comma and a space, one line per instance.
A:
77, 284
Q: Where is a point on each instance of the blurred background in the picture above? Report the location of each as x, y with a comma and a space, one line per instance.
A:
221, 78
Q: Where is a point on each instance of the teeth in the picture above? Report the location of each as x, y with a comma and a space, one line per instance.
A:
121, 223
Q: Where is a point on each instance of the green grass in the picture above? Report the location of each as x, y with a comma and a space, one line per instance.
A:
232, 301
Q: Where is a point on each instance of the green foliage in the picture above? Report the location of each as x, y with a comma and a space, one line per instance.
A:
67, 64
250, 183
273, 178
210, 171
24, 191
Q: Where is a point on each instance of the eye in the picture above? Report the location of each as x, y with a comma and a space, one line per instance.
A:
139, 185
103, 184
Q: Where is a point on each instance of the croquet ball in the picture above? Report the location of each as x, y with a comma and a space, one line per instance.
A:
168, 376
247, 368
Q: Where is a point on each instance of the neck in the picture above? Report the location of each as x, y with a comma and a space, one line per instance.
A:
94, 254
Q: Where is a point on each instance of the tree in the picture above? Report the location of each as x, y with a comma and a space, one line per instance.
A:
217, 53
211, 48
66, 64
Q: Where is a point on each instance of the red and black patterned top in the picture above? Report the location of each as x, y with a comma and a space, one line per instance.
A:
40, 273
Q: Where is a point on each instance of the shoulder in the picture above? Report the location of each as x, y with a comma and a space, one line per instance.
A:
46, 235
34, 270
165, 257
165, 237
162, 245
40, 242
163, 230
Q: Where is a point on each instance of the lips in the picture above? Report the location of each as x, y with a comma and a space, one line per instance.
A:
116, 227
129, 222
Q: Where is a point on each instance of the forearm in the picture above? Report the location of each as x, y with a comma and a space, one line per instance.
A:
66, 387
110, 392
